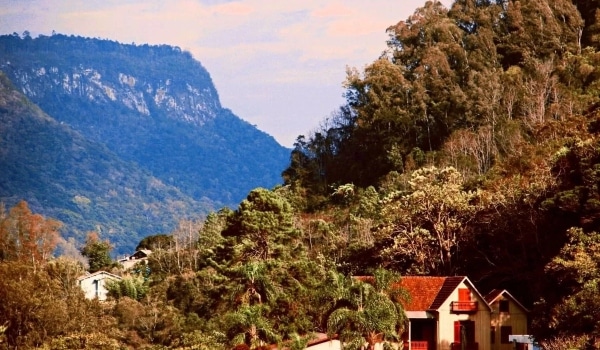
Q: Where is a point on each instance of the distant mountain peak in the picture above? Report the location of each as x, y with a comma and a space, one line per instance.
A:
151, 108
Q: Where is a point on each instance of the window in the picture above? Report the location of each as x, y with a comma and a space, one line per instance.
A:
96, 284
464, 294
503, 306
505, 331
464, 332
464, 301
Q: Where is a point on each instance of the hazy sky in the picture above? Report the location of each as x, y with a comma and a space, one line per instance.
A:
278, 64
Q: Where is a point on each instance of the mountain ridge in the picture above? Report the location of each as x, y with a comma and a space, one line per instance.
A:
154, 108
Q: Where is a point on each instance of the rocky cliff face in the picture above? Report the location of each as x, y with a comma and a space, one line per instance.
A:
150, 81
178, 100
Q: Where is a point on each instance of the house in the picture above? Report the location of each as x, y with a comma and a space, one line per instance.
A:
94, 284
449, 313
445, 313
322, 342
524, 342
138, 256
318, 341
508, 318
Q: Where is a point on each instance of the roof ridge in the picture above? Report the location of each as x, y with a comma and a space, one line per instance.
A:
506, 293
88, 274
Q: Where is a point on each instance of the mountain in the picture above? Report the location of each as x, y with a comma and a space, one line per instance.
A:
78, 181
135, 120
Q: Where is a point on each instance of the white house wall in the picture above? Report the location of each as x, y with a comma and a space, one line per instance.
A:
328, 345
88, 285
447, 318
515, 318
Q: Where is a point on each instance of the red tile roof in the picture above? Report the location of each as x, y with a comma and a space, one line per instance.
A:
422, 291
450, 284
428, 292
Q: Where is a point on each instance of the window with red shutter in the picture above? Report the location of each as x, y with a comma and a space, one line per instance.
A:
464, 294
464, 299
457, 331
464, 333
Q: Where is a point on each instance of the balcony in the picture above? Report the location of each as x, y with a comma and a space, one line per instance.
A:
467, 346
416, 345
463, 307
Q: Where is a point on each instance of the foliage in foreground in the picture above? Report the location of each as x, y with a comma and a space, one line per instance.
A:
471, 148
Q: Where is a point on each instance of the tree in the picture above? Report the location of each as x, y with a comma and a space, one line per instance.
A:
160, 241
97, 252
423, 229
471, 152
538, 29
264, 224
37, 305
589, 10
430, 47
365, 312
571, 308
270, 278
185, 245
248, 325
65, 272
26, 236
378, 98
303, 170
133, 287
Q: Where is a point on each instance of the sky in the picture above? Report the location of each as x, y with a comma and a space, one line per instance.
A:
278, 64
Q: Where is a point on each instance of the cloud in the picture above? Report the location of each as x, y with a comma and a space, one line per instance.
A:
331, 10
233, 9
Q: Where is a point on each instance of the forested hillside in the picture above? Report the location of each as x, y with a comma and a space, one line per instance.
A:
81, 182
470, 147
149, 109
153, 105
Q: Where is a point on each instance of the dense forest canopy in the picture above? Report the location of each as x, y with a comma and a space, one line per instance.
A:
460, 85
470, 147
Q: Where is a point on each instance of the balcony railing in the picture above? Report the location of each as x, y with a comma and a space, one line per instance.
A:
467, 346
418, 345
463, 306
